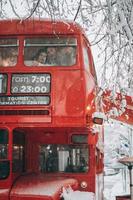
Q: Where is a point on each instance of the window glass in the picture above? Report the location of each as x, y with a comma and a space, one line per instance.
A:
17, 158
4, 169
79, 139
86, 59
3, 144
64, 158
8, 52
3, 83
88, 63
92, 66
18, 152
50, 51
4, 163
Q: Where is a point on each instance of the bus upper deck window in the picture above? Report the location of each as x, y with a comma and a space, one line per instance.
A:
8, 52
3, 83
50, 51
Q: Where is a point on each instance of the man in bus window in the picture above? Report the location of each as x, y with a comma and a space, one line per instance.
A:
67, 56
52, 56
40, 58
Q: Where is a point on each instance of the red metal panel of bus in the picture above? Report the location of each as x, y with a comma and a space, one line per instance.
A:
4, 194
36, 187
68, 102
37, 27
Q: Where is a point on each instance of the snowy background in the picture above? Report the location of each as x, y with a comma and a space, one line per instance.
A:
118, 143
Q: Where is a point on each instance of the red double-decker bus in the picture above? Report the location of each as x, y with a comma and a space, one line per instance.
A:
47, 98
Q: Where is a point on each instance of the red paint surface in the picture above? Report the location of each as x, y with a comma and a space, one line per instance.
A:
40, 186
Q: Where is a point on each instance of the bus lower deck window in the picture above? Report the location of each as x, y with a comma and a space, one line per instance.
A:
4, 162
3, 144
64, 158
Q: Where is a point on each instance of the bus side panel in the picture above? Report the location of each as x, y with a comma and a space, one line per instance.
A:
4, 194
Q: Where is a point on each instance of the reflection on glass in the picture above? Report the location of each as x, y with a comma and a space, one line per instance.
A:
3, 83
50, 51
3, 151
3, 144
8, 52
63, 158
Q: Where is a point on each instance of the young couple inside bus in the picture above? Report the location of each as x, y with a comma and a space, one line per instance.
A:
54, 56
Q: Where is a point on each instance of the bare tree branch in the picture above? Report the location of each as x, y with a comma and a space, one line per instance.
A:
13, 9
79, 6
33, 10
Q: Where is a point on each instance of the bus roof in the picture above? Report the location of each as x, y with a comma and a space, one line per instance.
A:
38, 26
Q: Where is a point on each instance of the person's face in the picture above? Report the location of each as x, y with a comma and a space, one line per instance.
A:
51, 51
7, 62
13, 58
42, 57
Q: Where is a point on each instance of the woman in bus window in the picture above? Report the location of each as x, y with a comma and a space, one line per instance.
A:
40, 58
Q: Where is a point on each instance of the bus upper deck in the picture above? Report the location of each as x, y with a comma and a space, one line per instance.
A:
47, 72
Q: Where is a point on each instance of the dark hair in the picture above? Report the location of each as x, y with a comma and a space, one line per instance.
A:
7, 53
39, 52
